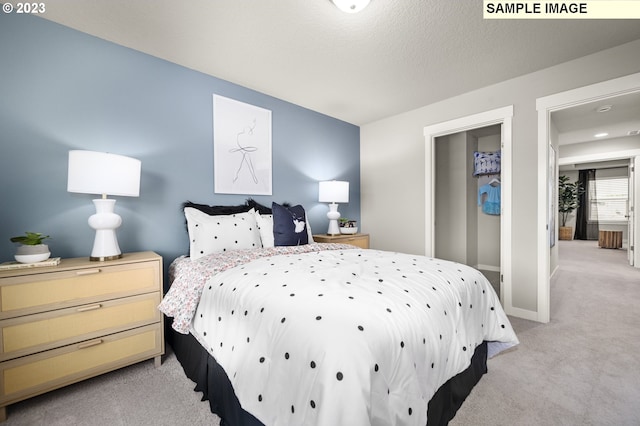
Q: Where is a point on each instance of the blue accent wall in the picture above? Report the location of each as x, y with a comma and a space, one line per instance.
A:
61, 89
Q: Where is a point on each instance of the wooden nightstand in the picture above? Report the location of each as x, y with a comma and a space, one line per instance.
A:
66, 323
358, 240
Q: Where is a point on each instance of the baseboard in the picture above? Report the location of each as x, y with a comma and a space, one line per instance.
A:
488, 268
522, 313
554, 271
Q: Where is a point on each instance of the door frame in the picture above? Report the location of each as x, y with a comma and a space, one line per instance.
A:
501, 116
545, 106
631, 213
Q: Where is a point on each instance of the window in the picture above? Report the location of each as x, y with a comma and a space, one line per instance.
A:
609, 199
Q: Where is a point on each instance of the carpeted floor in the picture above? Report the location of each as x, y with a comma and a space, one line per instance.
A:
583, 368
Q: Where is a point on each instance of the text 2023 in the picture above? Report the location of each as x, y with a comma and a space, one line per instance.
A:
30, 8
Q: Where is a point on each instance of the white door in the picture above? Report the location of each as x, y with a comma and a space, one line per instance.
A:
630, 215
634, 194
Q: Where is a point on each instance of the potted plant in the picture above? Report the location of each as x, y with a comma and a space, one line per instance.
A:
31, 248
348, 226
568, 201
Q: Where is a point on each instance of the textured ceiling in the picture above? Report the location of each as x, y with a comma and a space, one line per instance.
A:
394, 56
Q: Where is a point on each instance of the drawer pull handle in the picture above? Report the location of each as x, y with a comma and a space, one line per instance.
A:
89, 344
89, 308
88, 272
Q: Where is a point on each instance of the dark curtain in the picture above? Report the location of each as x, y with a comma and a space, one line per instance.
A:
587, 229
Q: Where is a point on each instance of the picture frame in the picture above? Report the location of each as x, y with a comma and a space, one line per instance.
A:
242, 148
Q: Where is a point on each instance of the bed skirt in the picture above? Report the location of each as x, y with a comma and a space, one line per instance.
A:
212, 381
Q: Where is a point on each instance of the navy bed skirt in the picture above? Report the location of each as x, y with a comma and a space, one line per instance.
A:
215, 386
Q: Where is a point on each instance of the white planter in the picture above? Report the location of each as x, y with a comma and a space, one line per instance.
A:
32, 254
345, 230
350, 227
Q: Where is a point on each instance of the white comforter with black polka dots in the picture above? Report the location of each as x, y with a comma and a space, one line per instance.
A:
346, 337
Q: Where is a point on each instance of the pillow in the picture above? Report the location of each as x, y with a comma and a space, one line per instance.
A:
486, 163
224, 210
211, 234
217, 210
259, 208
289, 225
265, 225
309, 233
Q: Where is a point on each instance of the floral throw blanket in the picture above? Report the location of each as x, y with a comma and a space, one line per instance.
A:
188, 277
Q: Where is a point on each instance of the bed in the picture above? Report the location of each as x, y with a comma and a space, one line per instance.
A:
278, 330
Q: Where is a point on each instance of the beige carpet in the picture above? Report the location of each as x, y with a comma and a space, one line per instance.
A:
583, 368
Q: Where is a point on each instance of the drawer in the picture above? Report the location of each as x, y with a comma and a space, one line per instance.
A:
35, 374
34, 333
361, 241
22, 295
358, 240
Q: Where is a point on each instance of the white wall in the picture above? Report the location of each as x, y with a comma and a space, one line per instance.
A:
451, 225
393, 170
599, 147
456, 223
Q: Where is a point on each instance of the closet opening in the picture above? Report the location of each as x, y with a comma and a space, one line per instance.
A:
467, 199
493, 129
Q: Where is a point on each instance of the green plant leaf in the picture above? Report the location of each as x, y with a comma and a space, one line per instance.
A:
30, 238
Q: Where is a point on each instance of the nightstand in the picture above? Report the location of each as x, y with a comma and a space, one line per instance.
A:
63, 324
358, 240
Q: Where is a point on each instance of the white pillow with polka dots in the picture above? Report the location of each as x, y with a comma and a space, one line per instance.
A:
212, 234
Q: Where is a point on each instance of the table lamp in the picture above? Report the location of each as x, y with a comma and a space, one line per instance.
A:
333, 192
92, 172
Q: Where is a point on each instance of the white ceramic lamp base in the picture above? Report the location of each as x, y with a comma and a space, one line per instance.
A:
105, 222
333, 216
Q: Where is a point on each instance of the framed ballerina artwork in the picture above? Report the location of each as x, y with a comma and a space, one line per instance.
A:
241, 148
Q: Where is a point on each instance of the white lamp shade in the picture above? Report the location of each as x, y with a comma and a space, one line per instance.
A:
92, 172
351, 6
333, 191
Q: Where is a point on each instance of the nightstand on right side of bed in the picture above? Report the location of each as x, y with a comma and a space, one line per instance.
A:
358, 240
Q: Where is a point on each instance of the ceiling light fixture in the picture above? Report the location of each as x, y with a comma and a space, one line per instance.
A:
601, 135
604, 108
351, 6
